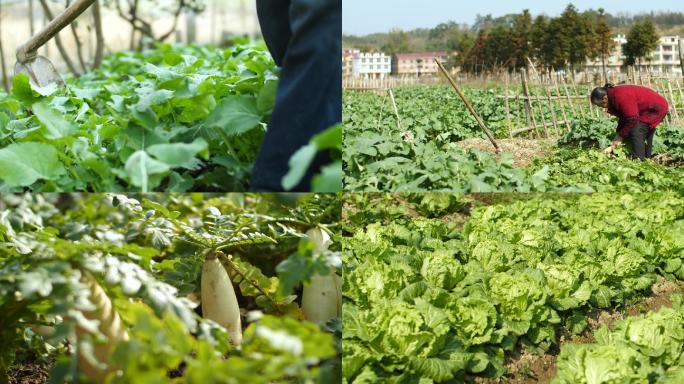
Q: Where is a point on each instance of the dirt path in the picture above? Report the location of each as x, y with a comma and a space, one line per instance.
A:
523, 150
528, 368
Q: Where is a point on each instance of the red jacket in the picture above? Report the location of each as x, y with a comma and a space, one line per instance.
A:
634, 104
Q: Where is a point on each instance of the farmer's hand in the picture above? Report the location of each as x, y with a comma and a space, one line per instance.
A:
613, 146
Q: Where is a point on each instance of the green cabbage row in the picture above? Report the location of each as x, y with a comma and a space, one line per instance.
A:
426, 300
640, 349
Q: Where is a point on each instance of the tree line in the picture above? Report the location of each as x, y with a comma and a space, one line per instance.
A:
509, 42
564, 42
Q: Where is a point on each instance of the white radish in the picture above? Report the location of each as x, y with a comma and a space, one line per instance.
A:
110, 325
320, 238
322, 298
219, 302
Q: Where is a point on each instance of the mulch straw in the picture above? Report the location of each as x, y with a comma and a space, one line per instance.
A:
524, 150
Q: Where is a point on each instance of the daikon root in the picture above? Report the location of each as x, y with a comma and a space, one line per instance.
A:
110, 325
322, 298
219, 302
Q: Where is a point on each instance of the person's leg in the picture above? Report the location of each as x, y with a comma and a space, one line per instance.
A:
275, 26
310, 92
649, 143
638, 139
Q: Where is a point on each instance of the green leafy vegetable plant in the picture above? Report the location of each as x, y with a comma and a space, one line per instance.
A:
174, 118
121, 288
438, 299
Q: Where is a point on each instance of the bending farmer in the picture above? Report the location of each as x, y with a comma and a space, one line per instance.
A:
639, 109
305, 39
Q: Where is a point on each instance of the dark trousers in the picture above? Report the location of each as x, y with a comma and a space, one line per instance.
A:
641, 137
305, 39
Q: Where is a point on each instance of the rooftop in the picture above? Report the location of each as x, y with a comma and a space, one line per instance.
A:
421, 55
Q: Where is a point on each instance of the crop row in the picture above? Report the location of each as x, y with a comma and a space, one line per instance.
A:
419, 152
637, 349
425, 299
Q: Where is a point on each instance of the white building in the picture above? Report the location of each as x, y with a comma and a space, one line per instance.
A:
375, 65
665, 59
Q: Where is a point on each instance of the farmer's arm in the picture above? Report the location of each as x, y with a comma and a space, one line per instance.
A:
628, 110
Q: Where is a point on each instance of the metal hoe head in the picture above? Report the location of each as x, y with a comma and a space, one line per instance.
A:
40, 71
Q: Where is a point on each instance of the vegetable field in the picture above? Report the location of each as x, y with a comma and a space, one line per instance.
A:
417, 147
560, 288
173, 288
175, 119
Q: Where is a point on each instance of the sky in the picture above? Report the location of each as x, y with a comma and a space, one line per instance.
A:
361, 17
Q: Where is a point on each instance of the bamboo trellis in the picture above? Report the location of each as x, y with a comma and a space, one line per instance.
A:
548, 103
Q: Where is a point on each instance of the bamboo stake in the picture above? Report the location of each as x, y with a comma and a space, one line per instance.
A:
522, 130
681, 94
544, 98
567, 96
661, 90
508, 109
560, 101
548, 95
528, 103
470, 108
554, 119
673, 102
574, 87
382, 108
548, 98
543, 119
396, 110
517, 103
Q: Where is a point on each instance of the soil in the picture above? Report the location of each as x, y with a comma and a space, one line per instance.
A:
524, 150
525, 367
31, 372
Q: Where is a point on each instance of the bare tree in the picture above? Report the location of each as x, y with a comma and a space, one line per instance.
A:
130, 10
99, 36
32, 25
83, 62
58, 41
79, 43
5, 78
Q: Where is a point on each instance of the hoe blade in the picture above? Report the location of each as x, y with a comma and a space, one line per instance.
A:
40, 71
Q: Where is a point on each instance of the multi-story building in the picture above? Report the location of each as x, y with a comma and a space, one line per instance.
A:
348, 56
371, 65
665, 59
417, 64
